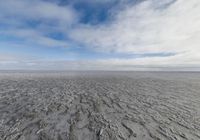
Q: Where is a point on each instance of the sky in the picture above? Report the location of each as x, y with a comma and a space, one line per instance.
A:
99, 35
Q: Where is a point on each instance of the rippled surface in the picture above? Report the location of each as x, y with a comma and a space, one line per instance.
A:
100, 106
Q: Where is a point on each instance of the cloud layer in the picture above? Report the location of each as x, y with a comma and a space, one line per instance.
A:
144, 28
151, 26
32, 21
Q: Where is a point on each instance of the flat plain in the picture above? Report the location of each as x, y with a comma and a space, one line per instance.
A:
99, 105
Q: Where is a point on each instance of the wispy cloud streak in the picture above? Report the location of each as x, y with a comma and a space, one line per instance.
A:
151, 26
133, 28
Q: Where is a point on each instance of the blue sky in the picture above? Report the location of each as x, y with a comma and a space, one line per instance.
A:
99, 34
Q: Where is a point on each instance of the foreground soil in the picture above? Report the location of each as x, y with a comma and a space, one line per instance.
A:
100, 106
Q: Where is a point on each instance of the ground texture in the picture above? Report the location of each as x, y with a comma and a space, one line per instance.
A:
100, 106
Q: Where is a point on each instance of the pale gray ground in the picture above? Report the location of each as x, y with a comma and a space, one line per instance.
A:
100, 106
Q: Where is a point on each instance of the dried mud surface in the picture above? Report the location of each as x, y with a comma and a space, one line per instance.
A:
100, 106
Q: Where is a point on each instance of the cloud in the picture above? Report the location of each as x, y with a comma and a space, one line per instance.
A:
151, 26
30, 36
39, 10
135, 27
33, 21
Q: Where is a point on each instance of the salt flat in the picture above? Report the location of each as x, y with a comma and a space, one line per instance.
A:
99, 105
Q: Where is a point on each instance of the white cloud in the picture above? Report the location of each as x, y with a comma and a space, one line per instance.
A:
37, 9
14, 15
31, 36
152, 26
